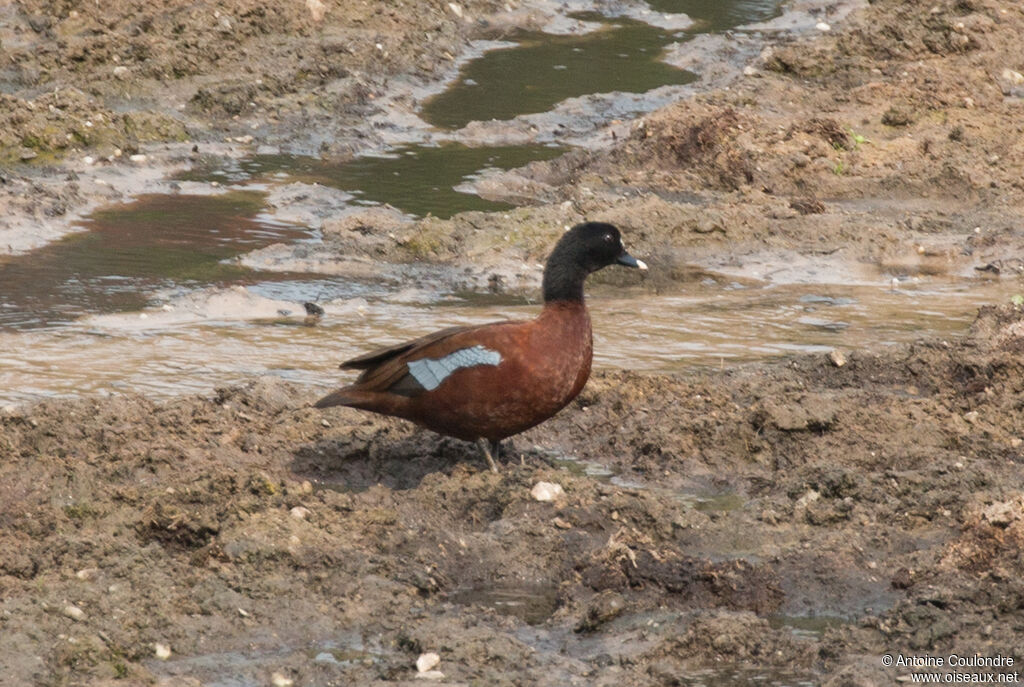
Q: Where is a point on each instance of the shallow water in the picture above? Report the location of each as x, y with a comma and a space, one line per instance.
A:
622, 55
542, 70
417, 179
710, 325
130, 251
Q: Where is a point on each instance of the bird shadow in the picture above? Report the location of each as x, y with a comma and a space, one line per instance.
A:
355, 463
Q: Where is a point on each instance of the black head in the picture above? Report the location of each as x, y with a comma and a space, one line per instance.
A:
583, 249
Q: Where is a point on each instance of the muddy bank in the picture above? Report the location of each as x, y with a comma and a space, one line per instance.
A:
253, 535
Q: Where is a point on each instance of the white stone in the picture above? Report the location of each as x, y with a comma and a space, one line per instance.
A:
822, 26
161, 651
546, 491
427, 662
74, 612
1013, 77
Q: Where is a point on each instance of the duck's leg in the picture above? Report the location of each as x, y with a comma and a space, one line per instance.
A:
491, 450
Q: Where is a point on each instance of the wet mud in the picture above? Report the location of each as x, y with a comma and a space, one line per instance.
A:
781, 522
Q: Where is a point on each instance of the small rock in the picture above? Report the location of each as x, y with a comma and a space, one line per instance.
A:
120, 71
837, 357
74, 612
161, 651
456, 9
281, 680
300, 512
88, 159
316, 9
808, 498
822, 26
1012, 77
427, 662
546, 491
138, 157
244, 139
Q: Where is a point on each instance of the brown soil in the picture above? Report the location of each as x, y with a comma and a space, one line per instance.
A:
254, 536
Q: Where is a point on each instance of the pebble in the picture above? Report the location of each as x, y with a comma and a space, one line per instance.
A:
822, 26
161, 651
427, 662
281, 680
456, 9
120, 71
88, 159
1013, 77
837, 357
546, 491
74, 612
138, 157
316, 9
300, 512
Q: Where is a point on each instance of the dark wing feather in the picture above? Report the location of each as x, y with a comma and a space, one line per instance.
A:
381, 355
387, 369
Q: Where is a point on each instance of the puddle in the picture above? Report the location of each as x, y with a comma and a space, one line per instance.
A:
624, 55
251, 667
581, 467
533, 604
418, 179
811, 627
745, 676
708, 501
711, 327
132, 250
716, 15
542, 70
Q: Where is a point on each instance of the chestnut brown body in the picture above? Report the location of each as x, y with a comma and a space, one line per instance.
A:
544, 365
495, 380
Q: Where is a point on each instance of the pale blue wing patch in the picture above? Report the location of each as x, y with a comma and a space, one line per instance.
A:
430, 372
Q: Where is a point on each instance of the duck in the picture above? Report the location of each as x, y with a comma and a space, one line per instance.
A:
486, 383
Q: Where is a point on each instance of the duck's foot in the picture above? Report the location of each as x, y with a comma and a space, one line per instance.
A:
491, 450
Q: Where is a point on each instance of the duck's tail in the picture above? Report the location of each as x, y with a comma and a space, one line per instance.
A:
341, 397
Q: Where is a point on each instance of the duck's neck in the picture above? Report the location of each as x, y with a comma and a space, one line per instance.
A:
563, 281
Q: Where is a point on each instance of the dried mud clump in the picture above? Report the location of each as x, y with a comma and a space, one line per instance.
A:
702, 143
